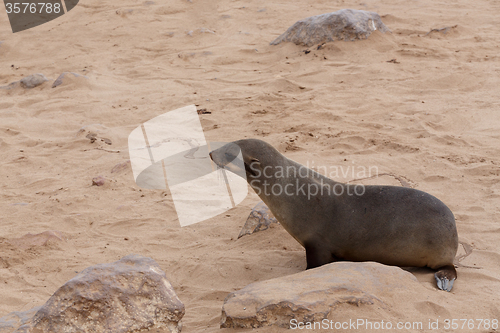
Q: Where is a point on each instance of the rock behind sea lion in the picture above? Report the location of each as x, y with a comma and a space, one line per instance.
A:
345, 24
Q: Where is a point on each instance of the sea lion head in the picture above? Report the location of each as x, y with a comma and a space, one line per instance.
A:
256, 154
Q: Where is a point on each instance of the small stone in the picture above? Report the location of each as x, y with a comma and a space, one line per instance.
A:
66, 77
121, 166
98, 181
33, 81
203, 111
107, 141
92, 137
260, 218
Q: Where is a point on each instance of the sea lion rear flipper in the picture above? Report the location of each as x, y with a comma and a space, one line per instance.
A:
445, 277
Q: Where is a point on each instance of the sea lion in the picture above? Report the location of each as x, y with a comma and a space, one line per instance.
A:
334, 221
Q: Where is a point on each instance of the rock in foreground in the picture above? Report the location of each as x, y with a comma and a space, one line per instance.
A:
128, 295
312, 295
345, 24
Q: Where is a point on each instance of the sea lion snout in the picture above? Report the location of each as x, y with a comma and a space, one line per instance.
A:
229, 157
226, 154
217, 156
212, 158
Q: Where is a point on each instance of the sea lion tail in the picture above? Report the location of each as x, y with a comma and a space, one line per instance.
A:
445, 277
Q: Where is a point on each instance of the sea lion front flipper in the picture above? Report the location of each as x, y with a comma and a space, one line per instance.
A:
317, 256
445, 277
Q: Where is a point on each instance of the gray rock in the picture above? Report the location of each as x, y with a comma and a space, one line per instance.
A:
444, 30
11, 85
260, 218
27, 82
311, 296
33, 81
128, 295
61, 78
15, 319
98, 181
345, 24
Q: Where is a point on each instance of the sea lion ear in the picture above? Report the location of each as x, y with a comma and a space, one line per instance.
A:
254, 162
252, 166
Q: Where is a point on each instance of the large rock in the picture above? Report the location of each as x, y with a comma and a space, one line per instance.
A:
312, 295
128, 295
345, 24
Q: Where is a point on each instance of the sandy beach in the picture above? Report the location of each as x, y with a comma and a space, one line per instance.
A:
419, 105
